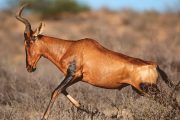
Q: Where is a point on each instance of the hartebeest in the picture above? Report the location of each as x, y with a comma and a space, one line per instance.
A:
86, 60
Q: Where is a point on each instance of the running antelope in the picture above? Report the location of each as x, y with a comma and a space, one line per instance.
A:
94, 64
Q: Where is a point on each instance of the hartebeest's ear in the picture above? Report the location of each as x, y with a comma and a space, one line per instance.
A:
38, 30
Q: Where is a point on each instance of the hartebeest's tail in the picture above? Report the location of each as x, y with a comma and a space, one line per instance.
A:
165, 77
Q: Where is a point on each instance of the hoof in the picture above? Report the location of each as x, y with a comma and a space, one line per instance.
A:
78, 105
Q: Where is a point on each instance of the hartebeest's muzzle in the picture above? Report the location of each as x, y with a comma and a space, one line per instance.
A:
30, 68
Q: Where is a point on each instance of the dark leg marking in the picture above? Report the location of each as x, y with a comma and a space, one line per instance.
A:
70, 75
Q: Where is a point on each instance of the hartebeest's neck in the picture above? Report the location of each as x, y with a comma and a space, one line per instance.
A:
54, 48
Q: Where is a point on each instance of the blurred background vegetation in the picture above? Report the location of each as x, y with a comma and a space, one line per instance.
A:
51, 8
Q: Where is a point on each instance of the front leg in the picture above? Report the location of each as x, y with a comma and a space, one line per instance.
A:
70, 76
71, 99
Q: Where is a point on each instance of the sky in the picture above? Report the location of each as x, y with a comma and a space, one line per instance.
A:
139, 5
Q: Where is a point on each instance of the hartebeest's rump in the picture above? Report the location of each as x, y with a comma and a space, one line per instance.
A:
86, 60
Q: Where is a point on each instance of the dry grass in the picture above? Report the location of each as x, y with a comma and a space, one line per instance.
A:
150, 36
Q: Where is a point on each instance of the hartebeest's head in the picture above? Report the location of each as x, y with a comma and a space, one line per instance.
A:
31, 42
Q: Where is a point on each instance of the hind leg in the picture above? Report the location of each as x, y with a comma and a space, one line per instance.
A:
150, 89
146, 89
136, 93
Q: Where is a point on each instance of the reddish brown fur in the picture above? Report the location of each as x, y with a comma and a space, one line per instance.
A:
94, 64
98, 65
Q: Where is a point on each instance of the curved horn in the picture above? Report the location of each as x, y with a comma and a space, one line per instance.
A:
25, 21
